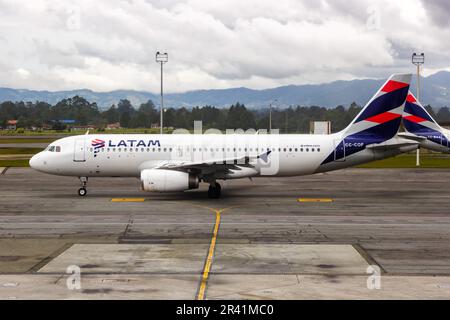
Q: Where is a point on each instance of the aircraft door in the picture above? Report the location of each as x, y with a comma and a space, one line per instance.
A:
339, 150
79, 154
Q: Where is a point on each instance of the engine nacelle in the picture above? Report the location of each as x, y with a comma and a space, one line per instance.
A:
162, 180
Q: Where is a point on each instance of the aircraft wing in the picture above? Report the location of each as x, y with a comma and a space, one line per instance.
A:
215, 164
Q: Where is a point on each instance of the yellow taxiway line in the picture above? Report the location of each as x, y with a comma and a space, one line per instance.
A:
127, 199
315, 200
207, 268
209, 258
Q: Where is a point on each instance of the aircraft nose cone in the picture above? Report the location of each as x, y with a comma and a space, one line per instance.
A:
36, 162
33, 162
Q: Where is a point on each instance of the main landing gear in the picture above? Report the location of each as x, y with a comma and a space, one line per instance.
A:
83, 191
214, 190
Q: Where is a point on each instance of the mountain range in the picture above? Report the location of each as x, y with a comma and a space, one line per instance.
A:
435, 90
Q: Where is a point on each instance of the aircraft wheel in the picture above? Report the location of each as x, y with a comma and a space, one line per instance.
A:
214, 191
82, 192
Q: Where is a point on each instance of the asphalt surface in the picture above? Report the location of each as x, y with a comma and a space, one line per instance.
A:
257, 241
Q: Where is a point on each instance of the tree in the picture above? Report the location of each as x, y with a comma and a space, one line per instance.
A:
58, 126
240, 118
145, 116
430, 111
111, 115
443, 115
76, 108
124, 106
125, 120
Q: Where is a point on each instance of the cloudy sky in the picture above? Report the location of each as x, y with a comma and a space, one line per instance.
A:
105, 45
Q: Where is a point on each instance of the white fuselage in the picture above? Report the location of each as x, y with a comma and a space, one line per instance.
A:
128, 155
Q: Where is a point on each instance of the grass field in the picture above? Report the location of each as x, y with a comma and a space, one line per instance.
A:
12, 151
14, 163
427, 160
25, 140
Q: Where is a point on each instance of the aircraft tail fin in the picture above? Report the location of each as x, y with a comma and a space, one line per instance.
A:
416, 119
377, 122
380, 119
419, 123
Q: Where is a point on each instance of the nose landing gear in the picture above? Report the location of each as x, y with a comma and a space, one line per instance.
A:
83, 191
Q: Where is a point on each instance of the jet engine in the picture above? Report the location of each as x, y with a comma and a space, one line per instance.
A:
162, 180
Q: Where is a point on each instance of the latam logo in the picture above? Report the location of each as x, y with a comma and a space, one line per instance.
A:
134, 143
97, 144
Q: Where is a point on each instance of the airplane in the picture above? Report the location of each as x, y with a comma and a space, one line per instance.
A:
179, 162
421, 126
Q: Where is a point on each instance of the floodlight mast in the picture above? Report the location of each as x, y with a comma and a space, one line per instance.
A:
162, 58
270, 114
418, 60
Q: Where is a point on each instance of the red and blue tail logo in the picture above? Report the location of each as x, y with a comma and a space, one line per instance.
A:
378, 121
418, 121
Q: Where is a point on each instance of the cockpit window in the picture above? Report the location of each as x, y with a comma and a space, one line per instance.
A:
53, 148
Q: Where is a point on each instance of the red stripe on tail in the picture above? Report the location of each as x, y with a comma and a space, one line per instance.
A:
415, 119
383, 117
393, 85
410, 98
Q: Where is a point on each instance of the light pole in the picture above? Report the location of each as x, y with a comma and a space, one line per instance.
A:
418, 60
270, 114
162, 58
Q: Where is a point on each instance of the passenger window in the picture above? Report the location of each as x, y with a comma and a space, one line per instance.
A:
312, 150
307, 149
318, 149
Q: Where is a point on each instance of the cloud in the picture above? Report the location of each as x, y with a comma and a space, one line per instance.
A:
106, 45
439, 11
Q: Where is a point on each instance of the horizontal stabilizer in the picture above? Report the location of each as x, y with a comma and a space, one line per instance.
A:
394, 143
